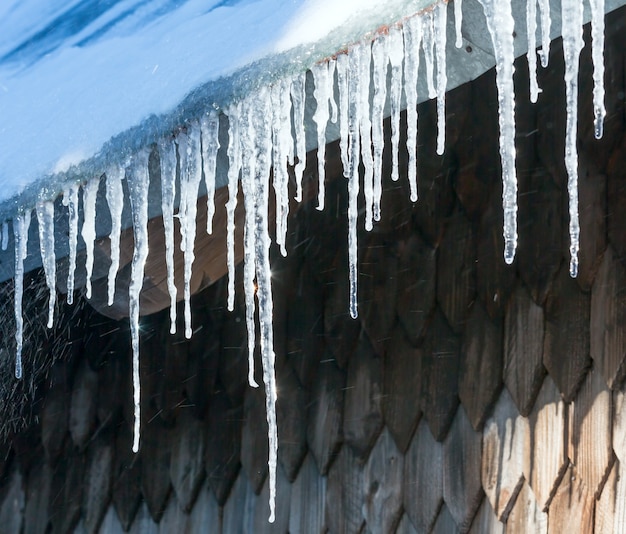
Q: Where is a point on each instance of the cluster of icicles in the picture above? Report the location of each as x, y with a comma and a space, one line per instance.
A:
260, 143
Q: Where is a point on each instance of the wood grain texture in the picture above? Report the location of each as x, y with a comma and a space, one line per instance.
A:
416, 285
344, 494
610, 511
526, 516
571, 509
590, 447
524, 331
485, 521
325, 414
608, 319
362, 415
308, 500
382, 483
205, 514
237, 510
445, 523
462, 489
111, 523
505, 447
402, 387
566, 343
619, 425
405, 526
143, 523
423, 479
548, 452
480, 374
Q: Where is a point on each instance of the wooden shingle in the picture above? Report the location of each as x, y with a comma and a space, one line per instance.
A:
155, 466
571, 509
610, 511
97, 486
344, 493
526, 514
126, 487
254, 444
38, 486
308, 500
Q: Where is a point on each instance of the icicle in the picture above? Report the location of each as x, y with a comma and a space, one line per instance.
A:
440, 21
21, 223
458, 22
365, 128
412, 39
209, 126
281, 141
380, 57
428, 46
396, 55
321, 115
234, 166
190, 177
297, 97
500, 24
138, 182
544, 12
45, 223
5, 235
260, 114
332, 67
248, 164
342, 86
572, 17
88, 233
531, 55
354, 98
167, 156
115, 200
597, 54
70, 199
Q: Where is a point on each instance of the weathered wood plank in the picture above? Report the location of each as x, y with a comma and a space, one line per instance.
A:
205, 514
590, 448
610, 513
485, 521
143, 523
523, 349
571, 510
254, 445
324, 432
187, 471
111, 523
83, 404
236, 512
416, 285
608, 317
566, 343
619, 425
526, 515
405, 526
548, 456
505, 445
223, 444
155, 466
440, 376
423, 479
402, 387
344, 493
445, 523
462, 491
480, 376
456, 270
174, 519
363, 418
38, 485
308, 500
382, 483
97, 489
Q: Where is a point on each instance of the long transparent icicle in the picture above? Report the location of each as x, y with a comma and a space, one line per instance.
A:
21, 223
209, 126
412, 39
167, 157
501, 25
88, 232
597, 54
45, 224
531, 55
5, 235
138, 182
262, 153
428, 46
365, 129
380, 58
344, 127
281, 141
115, 200
396, 56
248, 169
572, 17
546, 22
190, 177
439, 27
353, 174
70, 199
458, 22
321, 116
297, 97
234, 166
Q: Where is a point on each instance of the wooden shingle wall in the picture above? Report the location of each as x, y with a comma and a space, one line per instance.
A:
469, 396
